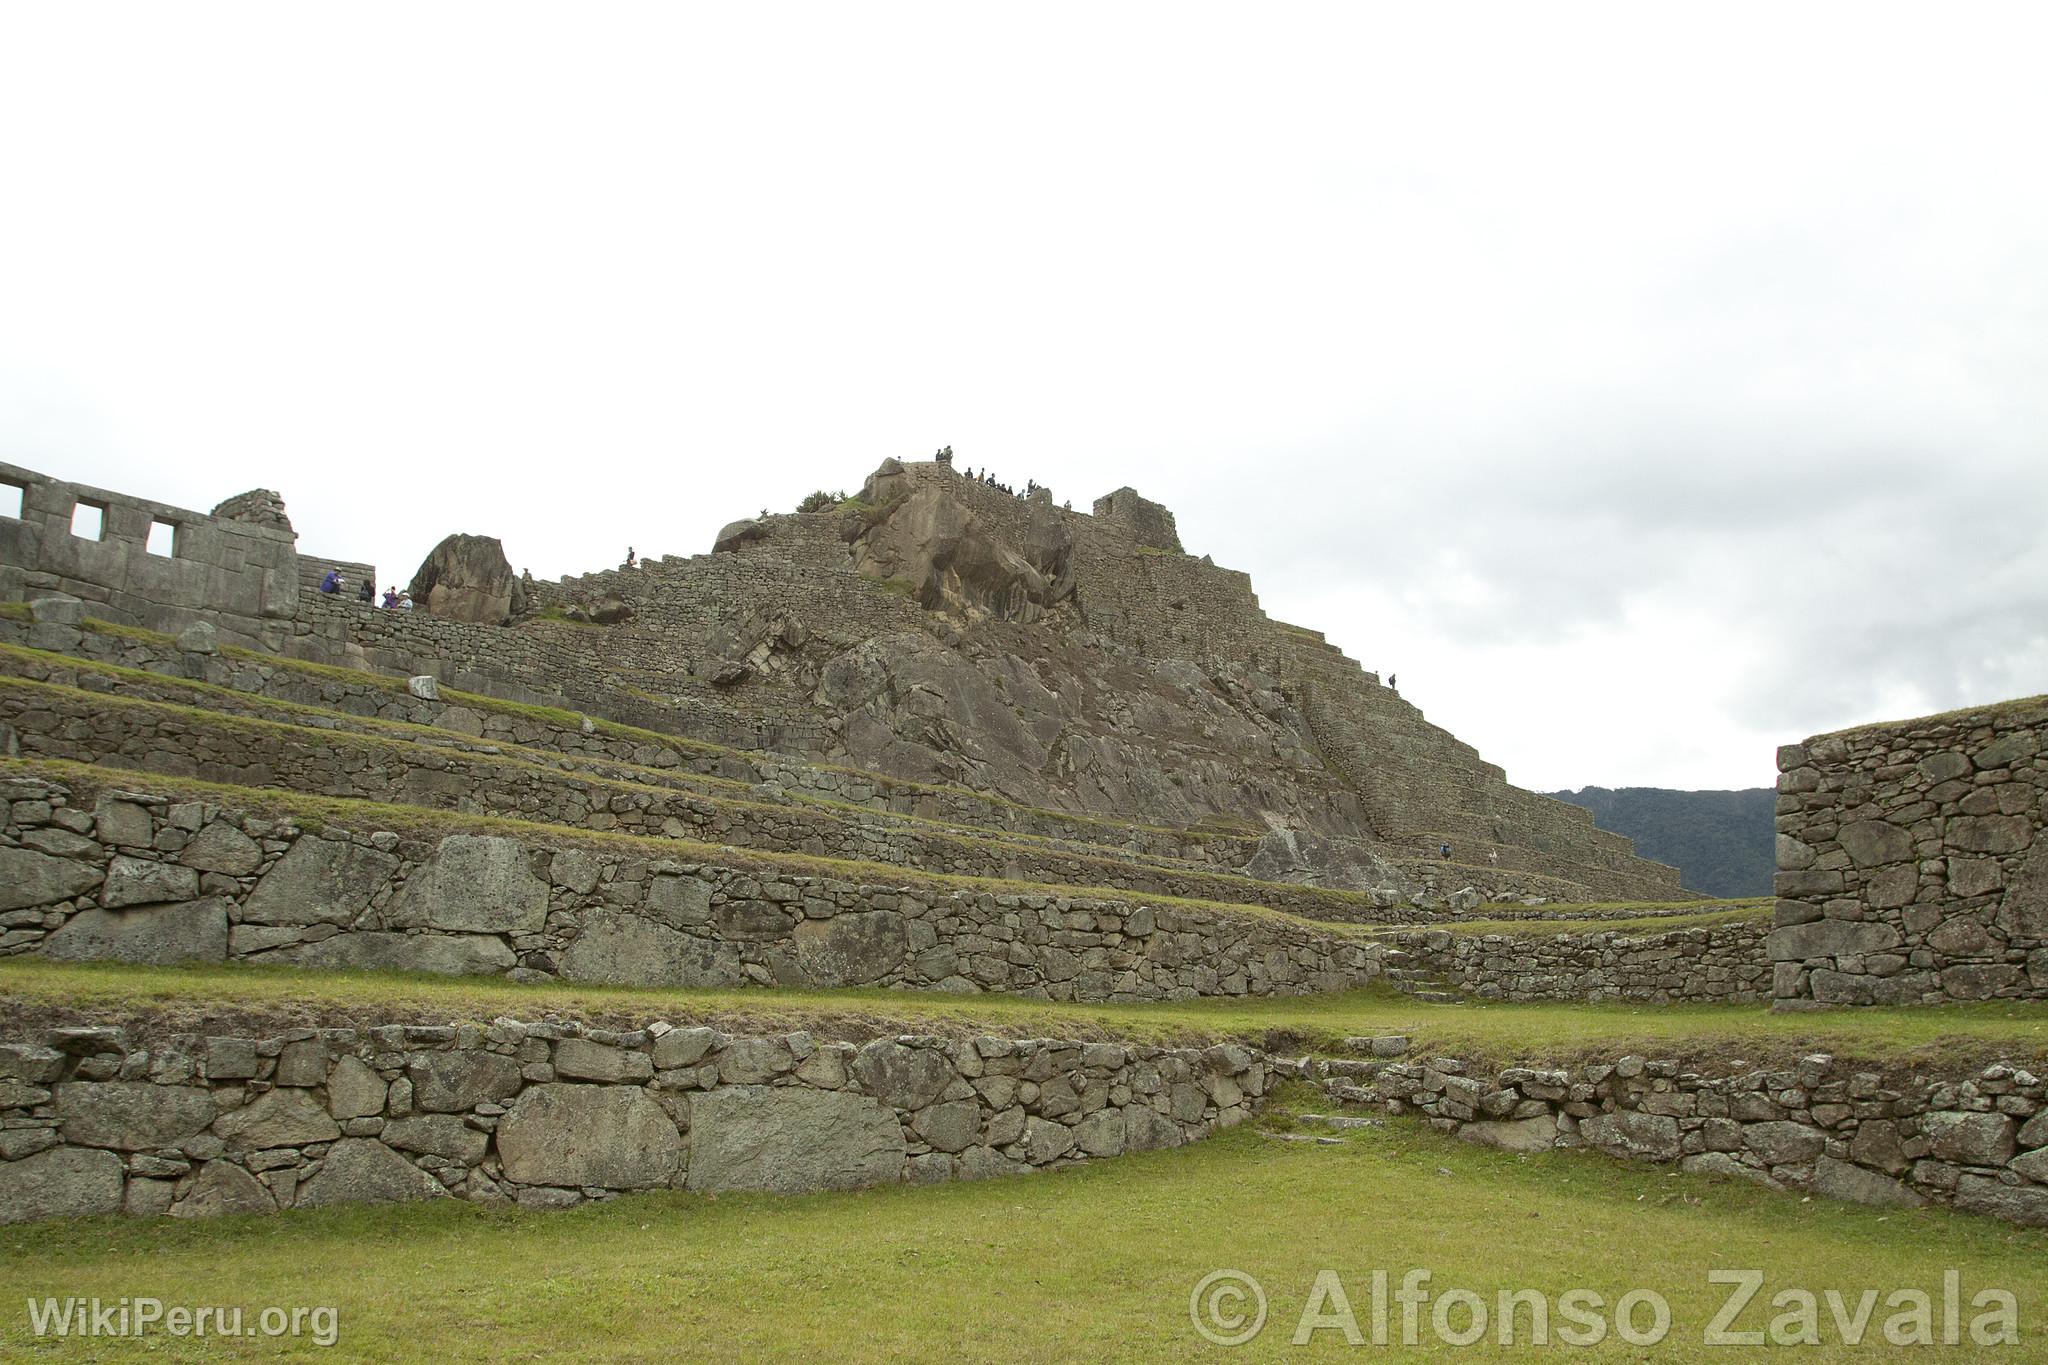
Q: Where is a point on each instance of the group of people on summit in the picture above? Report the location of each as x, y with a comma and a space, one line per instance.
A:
944, 455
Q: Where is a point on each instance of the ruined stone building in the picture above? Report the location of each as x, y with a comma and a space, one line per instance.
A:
932, 629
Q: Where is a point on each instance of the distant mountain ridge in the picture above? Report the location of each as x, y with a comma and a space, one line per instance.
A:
1721, 842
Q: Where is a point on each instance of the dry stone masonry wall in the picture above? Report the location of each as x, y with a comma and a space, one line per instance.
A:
1698, 963
1870, 1135
551, 1115
728, 647
51, 723
136, 876
476, 717
241, 574
1912, 867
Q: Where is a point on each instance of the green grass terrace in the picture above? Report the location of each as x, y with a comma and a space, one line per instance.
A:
1090, 1263
213, 999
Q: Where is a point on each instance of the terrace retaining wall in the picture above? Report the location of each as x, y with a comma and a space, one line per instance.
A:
1890, 1136
140, 877
552, 1115
1725, 962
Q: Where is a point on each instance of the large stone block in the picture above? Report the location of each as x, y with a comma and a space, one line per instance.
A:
1535, 1134
127, 824
196, 931
851, 949
449, 1082
791, 1139
443, 1135
1990, 833
630, 950
679, 902
1627, 1133
1874, 843
131, 1116
1830, 938
64, 1182
222, 848
1970, 1139
1980, 980
320, 881
1778, 1142
354, 1090
906, 1078
2024, 1204
365, 1171
2023, 913
580, 1059
29, 879
377, 950
277, 1118
223, 1187
141, 881
611, 1136
476, 883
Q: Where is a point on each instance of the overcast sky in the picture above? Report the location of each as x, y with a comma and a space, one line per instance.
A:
1647, 386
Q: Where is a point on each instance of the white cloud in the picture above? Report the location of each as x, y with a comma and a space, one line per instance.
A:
1647, 387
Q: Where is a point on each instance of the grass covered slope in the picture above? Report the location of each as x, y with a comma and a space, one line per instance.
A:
1088, 1263
214, 999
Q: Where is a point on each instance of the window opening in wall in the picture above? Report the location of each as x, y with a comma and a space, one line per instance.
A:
88, 521
163, 538
12, 498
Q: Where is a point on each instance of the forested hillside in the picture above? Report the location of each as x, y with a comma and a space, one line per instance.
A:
1720, 841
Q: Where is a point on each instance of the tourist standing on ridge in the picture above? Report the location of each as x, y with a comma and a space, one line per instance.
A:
1393, 682
632, 560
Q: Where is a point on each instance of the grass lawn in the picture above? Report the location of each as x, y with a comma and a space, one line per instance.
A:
218, 998
1092, 1263
1654, 920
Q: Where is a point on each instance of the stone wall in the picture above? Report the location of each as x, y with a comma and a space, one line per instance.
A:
553, 1115
1421, 887
49, 722
1893, 1136
1724, 962
697, 623
1912, 868
240, 575
313, 572
89, 874
478, 717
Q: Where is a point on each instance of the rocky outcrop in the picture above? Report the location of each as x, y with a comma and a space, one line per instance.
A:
1289, 855
468, 578
959, 559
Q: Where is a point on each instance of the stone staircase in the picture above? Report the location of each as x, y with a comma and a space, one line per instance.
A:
1401, 972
